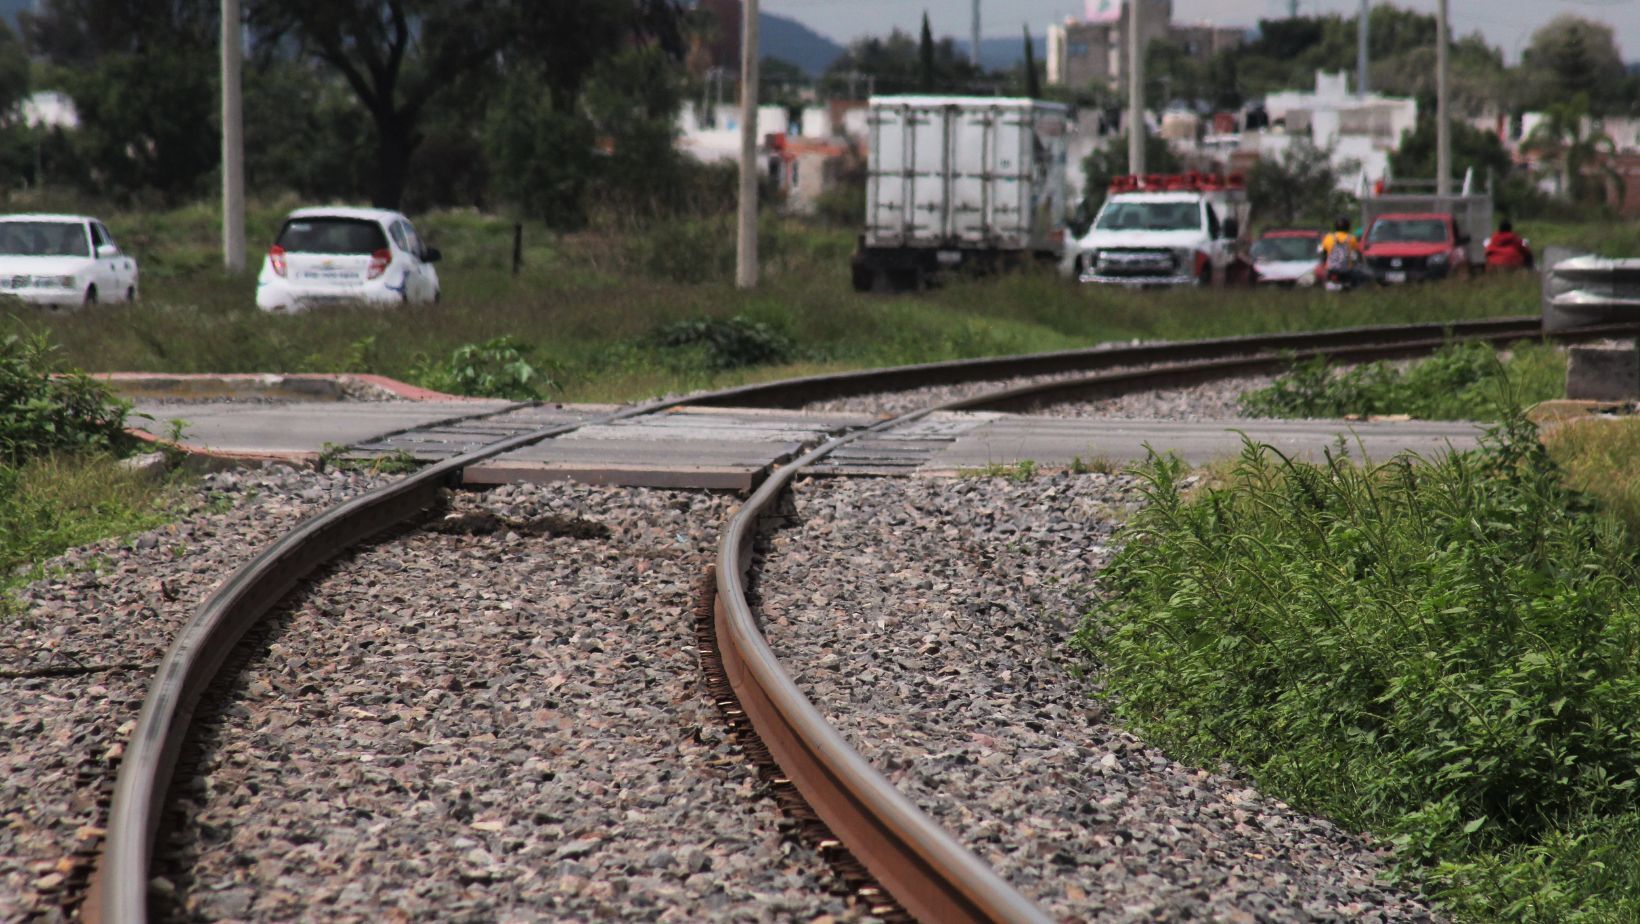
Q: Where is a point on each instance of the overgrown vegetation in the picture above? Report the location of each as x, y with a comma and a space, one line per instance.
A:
1463, 381
46, 409
60, 482
1441, 651
1598, 458
53, 503
498, 368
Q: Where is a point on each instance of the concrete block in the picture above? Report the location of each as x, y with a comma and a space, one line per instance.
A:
1603, 373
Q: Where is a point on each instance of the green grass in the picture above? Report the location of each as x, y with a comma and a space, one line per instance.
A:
587, 307
1598, 458
54, 503
1444, 652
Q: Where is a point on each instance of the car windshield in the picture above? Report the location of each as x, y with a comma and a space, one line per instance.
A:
1408, 231
1150, 216
1286, 248
331, 235
43, 239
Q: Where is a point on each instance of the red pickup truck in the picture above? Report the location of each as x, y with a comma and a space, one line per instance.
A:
1412, 246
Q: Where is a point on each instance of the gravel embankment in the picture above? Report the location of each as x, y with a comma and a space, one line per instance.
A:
494, 717
75, 666
928, 621
1217, 400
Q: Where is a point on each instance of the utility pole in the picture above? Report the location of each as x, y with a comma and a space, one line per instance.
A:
1443, 130
973, 50
233, 140
746, 243
1136, 93
1361, 52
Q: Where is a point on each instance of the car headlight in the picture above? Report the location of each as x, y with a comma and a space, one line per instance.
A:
1090, 259
1437, 259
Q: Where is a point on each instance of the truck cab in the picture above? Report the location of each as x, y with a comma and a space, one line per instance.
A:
1414, 246
1166, 230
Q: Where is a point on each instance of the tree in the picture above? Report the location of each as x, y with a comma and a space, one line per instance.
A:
16, 145
1111, 160
1299, 187
896, 65
142, 78
1579, 154
1033, 84
1571, 55
925, 58
394, 55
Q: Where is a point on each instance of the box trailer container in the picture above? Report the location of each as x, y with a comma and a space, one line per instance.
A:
960, 182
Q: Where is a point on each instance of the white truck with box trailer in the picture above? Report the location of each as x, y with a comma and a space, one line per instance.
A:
960, 183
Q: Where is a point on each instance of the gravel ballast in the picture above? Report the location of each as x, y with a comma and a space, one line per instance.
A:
494, 717
1215, 400
76, 664
928, 621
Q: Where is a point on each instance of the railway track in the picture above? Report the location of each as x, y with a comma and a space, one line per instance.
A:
901, 860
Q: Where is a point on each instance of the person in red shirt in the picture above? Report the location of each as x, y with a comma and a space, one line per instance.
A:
1507, 250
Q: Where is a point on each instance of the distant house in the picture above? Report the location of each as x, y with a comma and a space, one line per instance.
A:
1365, 129
49, 109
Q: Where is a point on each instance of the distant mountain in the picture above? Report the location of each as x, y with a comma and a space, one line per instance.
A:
790, 40
1001, 54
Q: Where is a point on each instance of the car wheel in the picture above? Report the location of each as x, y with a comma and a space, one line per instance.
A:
438, 295
131, 295
91, 295
1205, 277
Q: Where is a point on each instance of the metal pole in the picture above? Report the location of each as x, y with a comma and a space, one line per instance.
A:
973, 51
1443, 130
1361, 52
1136, 93
233, 141
746, 245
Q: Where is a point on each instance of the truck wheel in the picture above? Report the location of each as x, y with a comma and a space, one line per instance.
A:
863, 278
1205, 277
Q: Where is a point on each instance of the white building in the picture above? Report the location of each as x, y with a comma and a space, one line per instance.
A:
1365, 129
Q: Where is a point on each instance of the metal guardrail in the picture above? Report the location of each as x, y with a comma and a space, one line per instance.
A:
1580, 289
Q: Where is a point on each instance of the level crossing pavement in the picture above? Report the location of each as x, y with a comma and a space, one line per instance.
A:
734, 448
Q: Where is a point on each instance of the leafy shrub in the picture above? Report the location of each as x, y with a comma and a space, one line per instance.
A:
727, 343
498, 368
45, 410
1443, 651
1461, 381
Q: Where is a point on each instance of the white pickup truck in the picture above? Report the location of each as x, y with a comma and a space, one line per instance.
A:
1166, 230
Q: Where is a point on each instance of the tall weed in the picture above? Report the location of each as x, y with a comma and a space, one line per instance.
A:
1444, 651
45, 408
1463, 381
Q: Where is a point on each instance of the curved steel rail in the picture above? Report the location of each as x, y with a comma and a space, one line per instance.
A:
968, 891
790, 392
921, 865
119, 883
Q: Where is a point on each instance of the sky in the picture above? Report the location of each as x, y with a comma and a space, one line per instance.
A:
1506, 24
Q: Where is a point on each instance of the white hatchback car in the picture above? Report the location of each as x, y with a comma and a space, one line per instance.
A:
63, 260
328, 255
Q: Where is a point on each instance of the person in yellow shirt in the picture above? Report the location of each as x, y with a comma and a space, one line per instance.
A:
1341, 257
